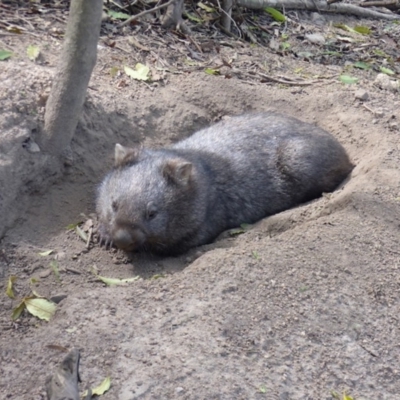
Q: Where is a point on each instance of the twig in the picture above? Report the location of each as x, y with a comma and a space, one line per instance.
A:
132, 41
118, 5
195, 44
390, 4
25, 20
137, 16
89, 237
23, 30
285, 82
370, 109
314, 5
129, 5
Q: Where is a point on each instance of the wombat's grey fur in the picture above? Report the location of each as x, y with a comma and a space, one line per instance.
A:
237, 171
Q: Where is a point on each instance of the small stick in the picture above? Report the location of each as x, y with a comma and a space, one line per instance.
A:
271, 78
369, 109
89, 237
135, 17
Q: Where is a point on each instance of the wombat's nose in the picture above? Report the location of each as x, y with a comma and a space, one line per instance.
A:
122, 239
129, 240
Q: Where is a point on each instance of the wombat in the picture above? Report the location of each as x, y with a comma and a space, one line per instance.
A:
238, 171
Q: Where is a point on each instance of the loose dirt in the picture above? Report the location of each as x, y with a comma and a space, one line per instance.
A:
300, 305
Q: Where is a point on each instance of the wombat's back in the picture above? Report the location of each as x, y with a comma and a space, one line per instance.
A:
268, 162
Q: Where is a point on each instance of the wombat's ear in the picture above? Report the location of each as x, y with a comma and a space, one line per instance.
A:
125, 155
178, 171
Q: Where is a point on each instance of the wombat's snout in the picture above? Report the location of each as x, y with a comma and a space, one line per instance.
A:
128, 241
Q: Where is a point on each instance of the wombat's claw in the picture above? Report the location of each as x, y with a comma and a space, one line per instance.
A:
108, 244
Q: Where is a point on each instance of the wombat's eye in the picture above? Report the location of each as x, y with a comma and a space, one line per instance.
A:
151, 211
114, 206
151, 214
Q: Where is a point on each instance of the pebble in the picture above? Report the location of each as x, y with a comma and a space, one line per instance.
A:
45, 273
58, 297
318, 18
384, 82
361, 94
315, 38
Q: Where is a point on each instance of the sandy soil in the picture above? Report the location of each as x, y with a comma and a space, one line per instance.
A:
303, 304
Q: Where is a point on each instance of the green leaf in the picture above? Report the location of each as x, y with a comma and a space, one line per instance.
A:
157, 276
332, 53
17, 311
4, 54
364, 30
116, 281
36, 294
285, 45
193, 18
255, 255
140, 73
117, 15
14, 29
9, 290
81, 234
45, 253
206, 8
348, 79
275, 14
386, 71
101, 389
113, 281
237, 231
344, 27
262, 389
362, 65
211, 71
41, 308
335, 395
73, 226
54, 267
380, 53
114, 71
32, 52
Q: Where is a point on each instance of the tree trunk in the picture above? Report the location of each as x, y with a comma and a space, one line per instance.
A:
226, 14
68, 91
173, 17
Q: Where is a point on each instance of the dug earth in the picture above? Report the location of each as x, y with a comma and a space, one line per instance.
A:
238, 171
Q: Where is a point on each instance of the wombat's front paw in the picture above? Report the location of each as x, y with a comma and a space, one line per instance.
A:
104, 237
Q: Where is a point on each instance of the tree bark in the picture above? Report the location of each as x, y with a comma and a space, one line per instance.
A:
173, 17
78, 59
226, 14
